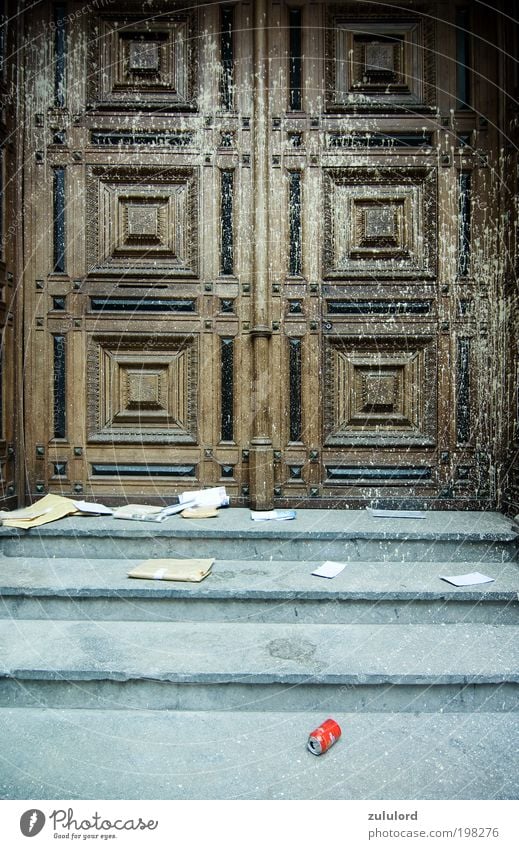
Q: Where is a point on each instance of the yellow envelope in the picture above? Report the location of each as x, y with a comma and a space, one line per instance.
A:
199, 513
172, 570
127, 511
47, 509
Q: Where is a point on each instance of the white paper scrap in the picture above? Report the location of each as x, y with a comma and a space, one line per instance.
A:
329, 569
396, 514
466, 580
272, 515
96, 509
172, 509
215, 496
164, 514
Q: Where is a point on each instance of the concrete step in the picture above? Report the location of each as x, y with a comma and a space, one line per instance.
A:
112, 754
313, 535
251, 666
259, 591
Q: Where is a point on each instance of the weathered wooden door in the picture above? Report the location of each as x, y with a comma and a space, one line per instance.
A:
249, 252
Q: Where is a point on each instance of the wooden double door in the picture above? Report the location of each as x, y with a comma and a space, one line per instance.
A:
255, 253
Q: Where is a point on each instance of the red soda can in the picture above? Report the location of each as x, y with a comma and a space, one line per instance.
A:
323, 737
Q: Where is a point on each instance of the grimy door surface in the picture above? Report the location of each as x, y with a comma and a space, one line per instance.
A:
256, 251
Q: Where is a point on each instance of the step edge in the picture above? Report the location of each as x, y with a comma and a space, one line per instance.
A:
204, 678
259, 595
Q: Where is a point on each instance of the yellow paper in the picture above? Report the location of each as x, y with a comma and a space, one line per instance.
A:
127, 511
165, 569
47, 509
199, 513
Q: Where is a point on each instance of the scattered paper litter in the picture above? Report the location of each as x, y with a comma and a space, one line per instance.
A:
94, 509
25, 513
149, 513
215, 496
329, 569
129, 510
396, 514
199, 512
466, 580
47, 509
160, 569
272, 515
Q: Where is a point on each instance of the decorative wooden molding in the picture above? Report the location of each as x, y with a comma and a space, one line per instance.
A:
138, 62
142, 389
380, 390
379, 60
142, 220
380, 222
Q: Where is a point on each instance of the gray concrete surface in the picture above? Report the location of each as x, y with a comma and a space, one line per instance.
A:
189, 652
233, 579
267, 591
113, 688
46, 754
314, 534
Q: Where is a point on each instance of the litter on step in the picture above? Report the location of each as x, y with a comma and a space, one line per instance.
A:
324, 737
88, 509
199, 513
201, 499
47, 509
215, 496
396, 514
161, 569
329, 569
272, 515
52, 507
468, 579
147, 513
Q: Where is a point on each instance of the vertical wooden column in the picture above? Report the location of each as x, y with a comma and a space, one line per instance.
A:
261, 456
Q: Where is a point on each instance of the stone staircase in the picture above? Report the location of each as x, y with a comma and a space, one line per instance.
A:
117, 688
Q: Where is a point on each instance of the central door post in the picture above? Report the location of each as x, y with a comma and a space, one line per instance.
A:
261, 456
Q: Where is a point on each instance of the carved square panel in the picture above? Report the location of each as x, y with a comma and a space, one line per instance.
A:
137, 62
380, 390
378, 62
380, 222
142, 389
380, 58
144, 56
142, 220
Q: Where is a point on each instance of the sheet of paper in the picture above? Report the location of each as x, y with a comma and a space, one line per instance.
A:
146, 513
95, 509
329, 569
215, 496
128, 511
25, 513
200, 513
396, 514
47, 509
272, 515
468, 579
174, 508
